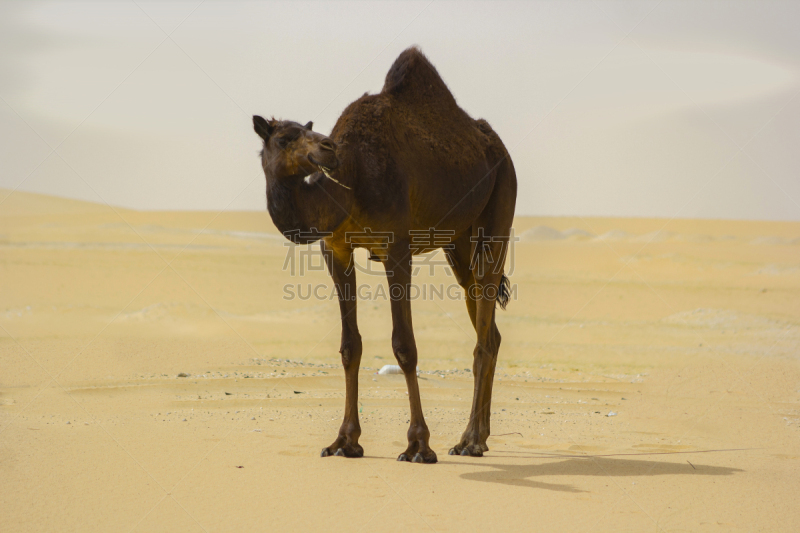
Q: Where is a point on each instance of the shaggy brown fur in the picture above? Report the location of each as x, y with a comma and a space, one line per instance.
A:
410, 160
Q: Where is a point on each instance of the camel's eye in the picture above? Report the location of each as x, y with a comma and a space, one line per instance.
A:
286, 139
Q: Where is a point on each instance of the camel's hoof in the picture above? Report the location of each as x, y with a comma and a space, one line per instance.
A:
451, 452
472, 450
403, 457
419, 458
348, 450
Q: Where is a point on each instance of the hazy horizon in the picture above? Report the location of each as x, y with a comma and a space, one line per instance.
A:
608, 109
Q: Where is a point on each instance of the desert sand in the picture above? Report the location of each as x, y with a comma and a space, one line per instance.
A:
154, 378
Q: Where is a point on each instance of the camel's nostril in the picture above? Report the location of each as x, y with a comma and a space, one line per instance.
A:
328, 145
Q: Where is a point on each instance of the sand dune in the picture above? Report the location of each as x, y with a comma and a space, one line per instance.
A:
547, 233
153, 377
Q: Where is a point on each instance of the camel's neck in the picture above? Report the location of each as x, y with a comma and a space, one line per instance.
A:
295, 205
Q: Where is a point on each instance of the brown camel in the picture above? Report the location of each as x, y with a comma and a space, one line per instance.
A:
399, 164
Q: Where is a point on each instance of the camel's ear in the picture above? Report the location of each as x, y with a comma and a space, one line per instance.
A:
262, 127
309, 125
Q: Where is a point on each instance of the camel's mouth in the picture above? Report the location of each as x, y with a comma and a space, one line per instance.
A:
325, 170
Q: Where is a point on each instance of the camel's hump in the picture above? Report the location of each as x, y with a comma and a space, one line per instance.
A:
412, 75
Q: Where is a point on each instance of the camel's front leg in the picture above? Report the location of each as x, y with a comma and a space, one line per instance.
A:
346, 442
398, 273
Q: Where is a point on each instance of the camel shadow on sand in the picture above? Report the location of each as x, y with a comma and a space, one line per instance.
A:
520, 475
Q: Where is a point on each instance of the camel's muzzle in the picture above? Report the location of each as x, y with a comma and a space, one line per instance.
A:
327, 168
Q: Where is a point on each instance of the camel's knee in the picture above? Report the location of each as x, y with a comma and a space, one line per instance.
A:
406, 355
351, 349
485, 351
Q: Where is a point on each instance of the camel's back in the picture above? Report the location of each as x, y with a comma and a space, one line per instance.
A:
426, 109
415, 142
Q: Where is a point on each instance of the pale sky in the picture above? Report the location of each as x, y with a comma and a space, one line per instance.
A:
686, 109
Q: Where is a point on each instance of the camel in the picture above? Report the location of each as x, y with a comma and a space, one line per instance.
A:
404, 162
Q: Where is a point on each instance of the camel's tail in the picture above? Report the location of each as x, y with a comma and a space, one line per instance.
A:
503, 292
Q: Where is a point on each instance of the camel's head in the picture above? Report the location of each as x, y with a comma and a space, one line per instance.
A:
292, 150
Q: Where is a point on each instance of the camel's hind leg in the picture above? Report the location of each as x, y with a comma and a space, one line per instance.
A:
478, 261
473, 441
